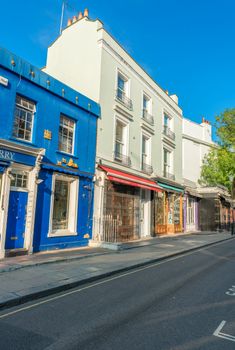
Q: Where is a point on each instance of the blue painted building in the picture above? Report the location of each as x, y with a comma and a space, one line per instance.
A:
47, 160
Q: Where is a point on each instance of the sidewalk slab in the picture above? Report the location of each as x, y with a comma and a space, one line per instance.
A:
40, 280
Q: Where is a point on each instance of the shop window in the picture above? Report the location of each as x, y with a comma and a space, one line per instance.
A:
64, 205
24, 118
19, 180
66, 135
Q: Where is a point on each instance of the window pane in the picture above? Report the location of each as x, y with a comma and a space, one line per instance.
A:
66, 134
24, 113
121, 83
119, 131
61, 205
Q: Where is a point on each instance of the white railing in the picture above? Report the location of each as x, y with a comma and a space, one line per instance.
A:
106, 229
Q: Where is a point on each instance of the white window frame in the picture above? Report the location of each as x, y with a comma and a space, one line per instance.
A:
127, 81
171, 155
170, 118
149, 146
73, 207
74, 133
149, 105
125, 137
28, 110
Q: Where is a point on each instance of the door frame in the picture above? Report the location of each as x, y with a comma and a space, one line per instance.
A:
145, 213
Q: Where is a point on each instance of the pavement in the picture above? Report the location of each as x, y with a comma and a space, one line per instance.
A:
26, 278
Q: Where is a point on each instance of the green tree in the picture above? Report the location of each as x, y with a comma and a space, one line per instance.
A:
219, 164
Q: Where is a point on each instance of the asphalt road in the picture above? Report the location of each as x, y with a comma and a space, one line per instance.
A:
175, 304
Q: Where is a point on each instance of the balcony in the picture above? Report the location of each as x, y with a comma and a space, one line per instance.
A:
148, 117
122, 97
146, 168
122, 158
168, 175
168, 132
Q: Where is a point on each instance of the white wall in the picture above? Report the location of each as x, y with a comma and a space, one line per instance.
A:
75, 58
197, 142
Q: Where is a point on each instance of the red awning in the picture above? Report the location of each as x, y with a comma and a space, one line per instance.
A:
131, 180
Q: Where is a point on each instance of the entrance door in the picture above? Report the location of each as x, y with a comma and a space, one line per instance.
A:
145, 213
17, 211
191, 225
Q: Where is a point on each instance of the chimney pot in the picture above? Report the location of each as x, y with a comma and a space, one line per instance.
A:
80, 15
86, 13
74, 19
69, 22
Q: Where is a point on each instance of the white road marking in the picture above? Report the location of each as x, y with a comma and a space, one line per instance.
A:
104, 281
219, 334
231, 291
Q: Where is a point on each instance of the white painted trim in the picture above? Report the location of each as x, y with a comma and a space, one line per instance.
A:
126, 124
73, 206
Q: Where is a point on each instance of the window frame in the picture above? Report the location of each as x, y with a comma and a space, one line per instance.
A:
27, 110
74, 134
147, 138
125, 125
72, 206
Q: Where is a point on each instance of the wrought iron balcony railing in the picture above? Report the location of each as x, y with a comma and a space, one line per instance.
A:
122, 158
148, 169
168, 175
122, 97
168, 132
148, 117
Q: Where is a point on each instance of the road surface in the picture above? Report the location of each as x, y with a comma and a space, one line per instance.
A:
183, 303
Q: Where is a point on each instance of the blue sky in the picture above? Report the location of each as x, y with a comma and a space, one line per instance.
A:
186, 45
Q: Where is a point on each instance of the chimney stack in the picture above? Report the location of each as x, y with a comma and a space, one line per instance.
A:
80, 15
167, 92
86, 13
74, 19
69, 22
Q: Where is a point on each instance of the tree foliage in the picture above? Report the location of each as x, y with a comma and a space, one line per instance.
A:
219, 164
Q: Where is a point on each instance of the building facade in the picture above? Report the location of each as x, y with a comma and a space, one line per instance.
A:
139, 137
47, 160
205, 208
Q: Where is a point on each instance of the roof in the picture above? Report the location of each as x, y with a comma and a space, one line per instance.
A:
19, 66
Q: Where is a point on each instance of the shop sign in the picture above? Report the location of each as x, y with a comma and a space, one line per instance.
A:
9, 156
6, 155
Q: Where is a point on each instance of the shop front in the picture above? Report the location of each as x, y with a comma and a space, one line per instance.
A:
19, 166
191, 210
122, 206
64, 208
168, 210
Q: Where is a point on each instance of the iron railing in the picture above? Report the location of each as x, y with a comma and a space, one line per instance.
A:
147, 168
122, 158
168, 175
148, 117
168, 132
122, 97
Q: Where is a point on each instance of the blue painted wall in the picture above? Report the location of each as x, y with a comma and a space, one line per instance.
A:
52, 99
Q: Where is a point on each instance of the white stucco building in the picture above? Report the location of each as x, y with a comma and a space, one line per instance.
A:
139, 140
196, 143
